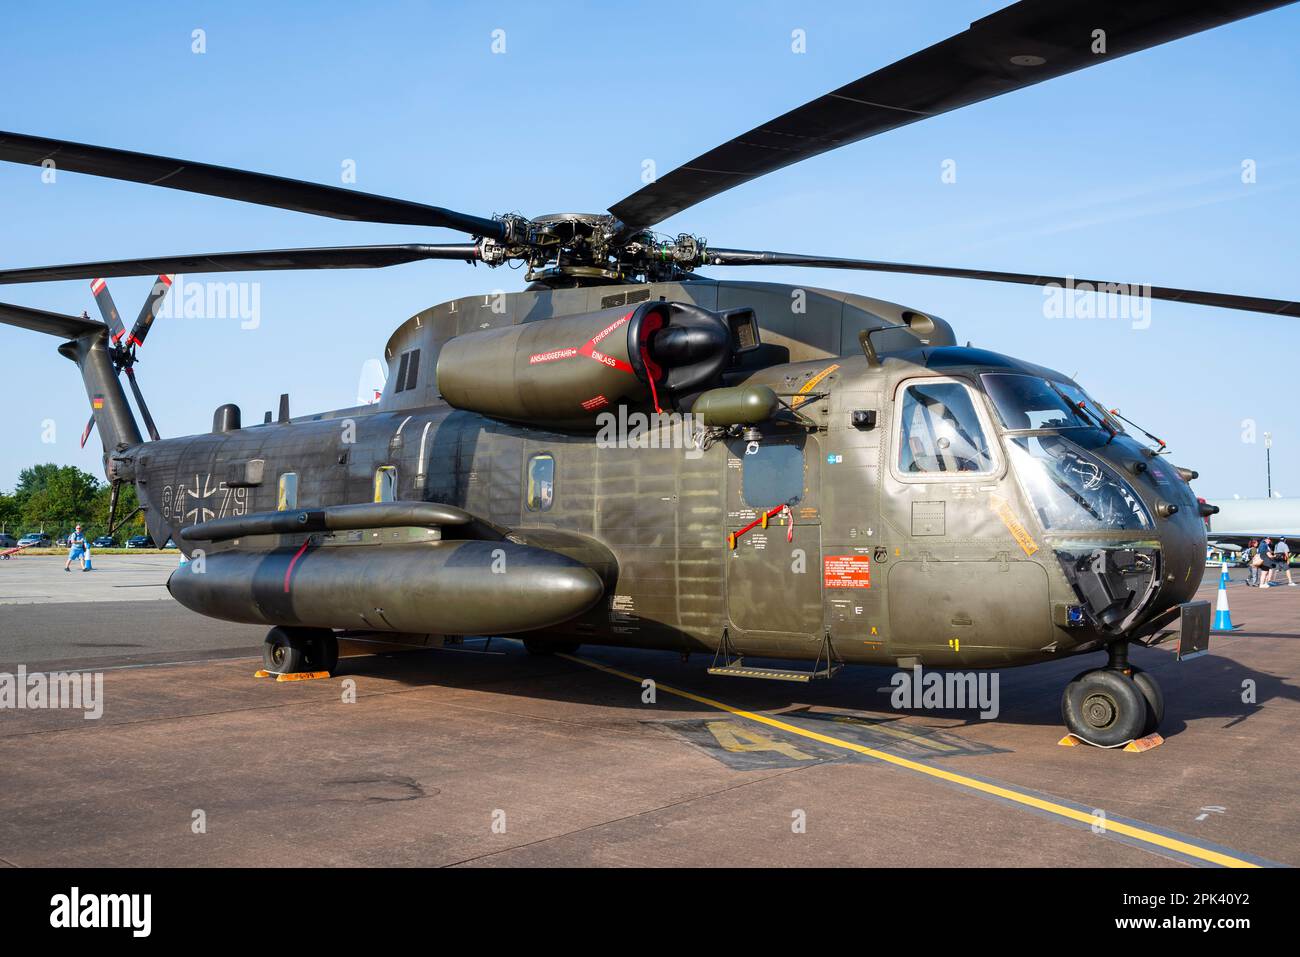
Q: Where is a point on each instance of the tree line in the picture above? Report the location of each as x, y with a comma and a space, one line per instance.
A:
54, 498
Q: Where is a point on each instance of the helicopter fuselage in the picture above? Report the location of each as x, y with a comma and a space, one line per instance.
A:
895, 516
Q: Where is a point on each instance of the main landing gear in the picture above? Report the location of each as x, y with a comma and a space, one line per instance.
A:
1113, 705
288, 651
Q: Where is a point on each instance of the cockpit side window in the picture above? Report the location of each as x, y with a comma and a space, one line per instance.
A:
940, 432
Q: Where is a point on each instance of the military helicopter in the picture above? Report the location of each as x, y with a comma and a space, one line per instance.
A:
630, 453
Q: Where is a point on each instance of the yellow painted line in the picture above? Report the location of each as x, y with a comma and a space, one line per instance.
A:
1016, 797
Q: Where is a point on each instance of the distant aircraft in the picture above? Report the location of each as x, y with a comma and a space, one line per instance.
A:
370, 387
1239, 520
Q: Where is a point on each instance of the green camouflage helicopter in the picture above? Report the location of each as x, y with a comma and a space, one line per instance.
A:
630, 453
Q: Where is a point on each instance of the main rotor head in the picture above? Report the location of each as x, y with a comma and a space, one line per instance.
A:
575, 249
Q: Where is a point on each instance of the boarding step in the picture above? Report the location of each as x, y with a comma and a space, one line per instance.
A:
738, 669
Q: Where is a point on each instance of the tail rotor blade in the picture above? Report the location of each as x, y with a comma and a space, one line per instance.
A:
85, 433
108, 310
139, 400
149, 311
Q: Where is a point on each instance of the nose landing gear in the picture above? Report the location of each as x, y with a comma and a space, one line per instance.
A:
1114, 705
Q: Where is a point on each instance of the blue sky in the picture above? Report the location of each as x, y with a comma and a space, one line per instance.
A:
1130, 171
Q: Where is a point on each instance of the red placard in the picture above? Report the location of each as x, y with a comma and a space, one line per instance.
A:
847, 571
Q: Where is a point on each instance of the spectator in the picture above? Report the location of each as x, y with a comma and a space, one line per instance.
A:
1253, 561
1266, 565
1282, 551
78, 548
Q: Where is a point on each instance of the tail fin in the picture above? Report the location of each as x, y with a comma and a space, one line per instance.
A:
86, 347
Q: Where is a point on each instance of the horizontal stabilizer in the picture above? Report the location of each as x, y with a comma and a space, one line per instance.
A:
50, 323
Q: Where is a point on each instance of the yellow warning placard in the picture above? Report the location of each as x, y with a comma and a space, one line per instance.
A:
1003, 509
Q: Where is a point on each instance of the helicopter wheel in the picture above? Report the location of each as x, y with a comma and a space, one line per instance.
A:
291, 650
1105, 707
535, 646
283, 653
1155, 699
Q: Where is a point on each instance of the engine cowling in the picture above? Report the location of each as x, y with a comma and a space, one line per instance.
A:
563, 372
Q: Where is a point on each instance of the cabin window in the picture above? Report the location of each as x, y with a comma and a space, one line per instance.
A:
773, 476
408, 371
541, 483
413, 373
940, 431
386, 483
288, 496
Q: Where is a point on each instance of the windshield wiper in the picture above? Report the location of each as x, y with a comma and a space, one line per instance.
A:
1076, 409
1081, 410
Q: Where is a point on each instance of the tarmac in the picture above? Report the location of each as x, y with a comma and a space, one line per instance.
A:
484, 755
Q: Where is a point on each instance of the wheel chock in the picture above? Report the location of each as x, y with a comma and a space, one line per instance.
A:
294, 676
1136, 746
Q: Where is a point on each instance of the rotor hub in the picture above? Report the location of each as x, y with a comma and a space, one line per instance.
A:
568, 249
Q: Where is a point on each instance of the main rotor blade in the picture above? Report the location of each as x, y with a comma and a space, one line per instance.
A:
50, 323
139, 401
149, 311
327, 257
85, 433
744, 257
249, 187
1016, 47
107, 309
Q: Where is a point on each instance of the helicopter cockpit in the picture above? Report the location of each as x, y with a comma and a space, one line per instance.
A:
1053, 431
1077, 465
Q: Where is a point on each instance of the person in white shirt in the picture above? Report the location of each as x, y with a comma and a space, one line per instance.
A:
1282, 552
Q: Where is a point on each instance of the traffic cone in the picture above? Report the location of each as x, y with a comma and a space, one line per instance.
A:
1222, 616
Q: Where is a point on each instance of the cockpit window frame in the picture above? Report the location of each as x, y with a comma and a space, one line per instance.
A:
978, 402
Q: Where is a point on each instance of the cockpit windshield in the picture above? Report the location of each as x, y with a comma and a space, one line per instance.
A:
1072, 489
1026, 402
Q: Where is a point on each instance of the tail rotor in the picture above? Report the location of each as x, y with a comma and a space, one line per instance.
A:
123, 344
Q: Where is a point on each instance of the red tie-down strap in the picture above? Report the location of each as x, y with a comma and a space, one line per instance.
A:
763, 520
650, 324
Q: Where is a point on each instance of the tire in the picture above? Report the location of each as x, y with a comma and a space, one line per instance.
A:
536, 646
323, 651
1155, 699
283, 652
1104, 707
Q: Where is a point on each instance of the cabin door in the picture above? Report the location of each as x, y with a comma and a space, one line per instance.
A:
774, 573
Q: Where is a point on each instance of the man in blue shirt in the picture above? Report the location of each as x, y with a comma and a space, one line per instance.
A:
78, 549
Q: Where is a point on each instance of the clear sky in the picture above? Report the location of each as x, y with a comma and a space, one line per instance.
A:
1131, 171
